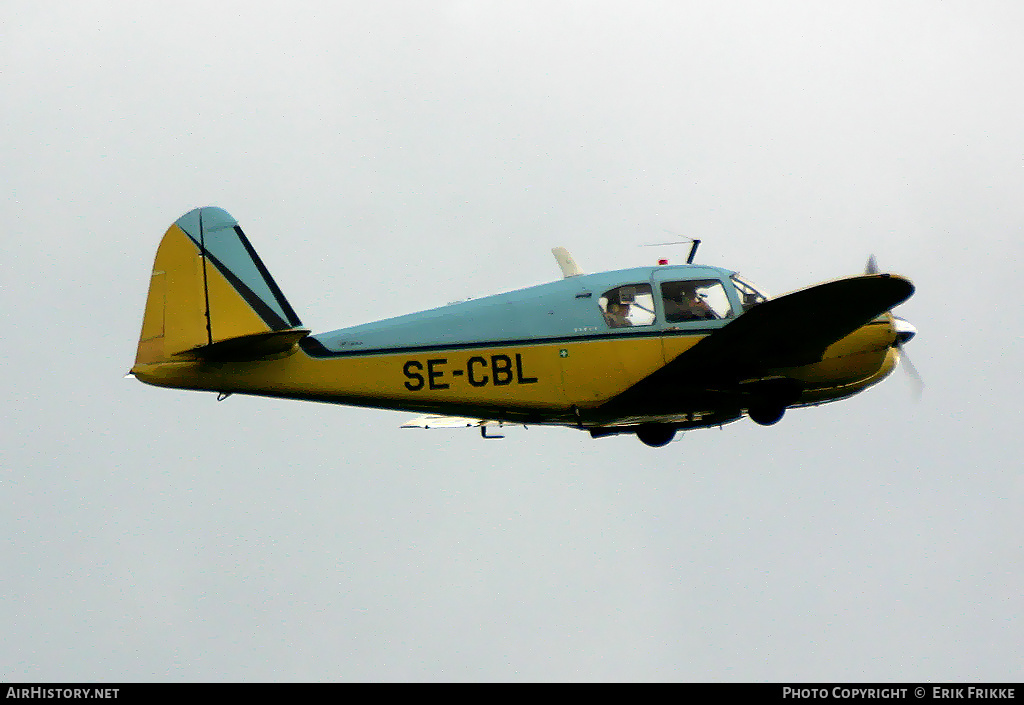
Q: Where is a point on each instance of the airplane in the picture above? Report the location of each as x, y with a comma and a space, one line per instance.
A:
650, 351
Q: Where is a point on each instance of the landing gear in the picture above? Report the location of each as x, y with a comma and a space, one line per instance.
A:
766, 414
656, 435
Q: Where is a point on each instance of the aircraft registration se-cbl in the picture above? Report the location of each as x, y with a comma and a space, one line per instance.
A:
650, 350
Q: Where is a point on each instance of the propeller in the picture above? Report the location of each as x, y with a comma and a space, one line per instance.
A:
905, 330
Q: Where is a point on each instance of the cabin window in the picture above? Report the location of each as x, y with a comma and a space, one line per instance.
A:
749, 295
695, 300
628, 306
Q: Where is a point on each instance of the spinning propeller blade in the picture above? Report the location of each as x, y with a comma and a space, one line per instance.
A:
916, 381
904, 332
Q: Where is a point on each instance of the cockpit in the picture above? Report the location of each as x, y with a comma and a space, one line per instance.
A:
683, 301
695, 300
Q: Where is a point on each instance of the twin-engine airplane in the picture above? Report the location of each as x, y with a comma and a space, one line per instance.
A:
650, 350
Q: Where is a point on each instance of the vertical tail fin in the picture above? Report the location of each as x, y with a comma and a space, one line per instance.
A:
210, 293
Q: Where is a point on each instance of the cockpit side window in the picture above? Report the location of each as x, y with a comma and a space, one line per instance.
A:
695, 300
628, 306
749, 296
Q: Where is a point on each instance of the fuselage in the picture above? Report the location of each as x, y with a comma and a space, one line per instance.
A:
553, 353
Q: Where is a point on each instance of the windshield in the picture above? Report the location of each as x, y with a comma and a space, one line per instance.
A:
749, 295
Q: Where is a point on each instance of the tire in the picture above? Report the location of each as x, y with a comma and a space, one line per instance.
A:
766, 415
656, 435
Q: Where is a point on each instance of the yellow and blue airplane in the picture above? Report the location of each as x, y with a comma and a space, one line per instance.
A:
650, 350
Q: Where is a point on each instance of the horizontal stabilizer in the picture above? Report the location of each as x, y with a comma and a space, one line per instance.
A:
251, 347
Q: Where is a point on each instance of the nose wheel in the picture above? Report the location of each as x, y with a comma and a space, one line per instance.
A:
656, 435
766, 414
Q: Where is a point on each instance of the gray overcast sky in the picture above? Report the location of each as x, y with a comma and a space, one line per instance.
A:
391, 156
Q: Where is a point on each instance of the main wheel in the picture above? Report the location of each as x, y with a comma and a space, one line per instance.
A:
766, 414
656, 435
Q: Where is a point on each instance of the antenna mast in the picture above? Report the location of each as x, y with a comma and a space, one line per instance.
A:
693, 242
693, 251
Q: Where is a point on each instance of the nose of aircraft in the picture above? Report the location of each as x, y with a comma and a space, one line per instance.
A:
905, 330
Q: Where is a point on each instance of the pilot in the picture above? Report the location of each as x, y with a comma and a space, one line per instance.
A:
617, 315
687, 305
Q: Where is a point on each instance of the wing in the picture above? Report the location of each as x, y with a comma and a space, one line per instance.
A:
439, 421
789, 331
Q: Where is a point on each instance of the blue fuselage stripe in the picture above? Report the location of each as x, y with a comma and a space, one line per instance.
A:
314, 348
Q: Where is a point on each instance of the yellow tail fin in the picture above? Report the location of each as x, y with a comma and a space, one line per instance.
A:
211, 293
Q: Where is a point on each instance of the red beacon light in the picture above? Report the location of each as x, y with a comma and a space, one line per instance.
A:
662, 261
